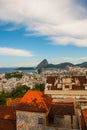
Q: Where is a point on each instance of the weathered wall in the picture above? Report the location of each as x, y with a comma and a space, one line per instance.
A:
6, 124
29, 120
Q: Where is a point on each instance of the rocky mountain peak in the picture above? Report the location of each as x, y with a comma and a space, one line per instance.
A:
42, 64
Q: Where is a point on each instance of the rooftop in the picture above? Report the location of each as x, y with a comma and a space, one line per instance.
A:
35, 101
61, 108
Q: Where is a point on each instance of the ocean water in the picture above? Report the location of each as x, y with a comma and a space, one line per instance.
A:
8, 70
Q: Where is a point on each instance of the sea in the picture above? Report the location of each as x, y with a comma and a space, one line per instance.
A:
9, 70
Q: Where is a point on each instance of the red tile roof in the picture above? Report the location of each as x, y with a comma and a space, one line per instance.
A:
82, 80
51, 80
17, 100
35, 101
62, 109
80, 85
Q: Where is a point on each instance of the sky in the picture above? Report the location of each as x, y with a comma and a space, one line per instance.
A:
33, 30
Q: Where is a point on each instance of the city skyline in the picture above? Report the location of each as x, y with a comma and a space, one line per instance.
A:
31, 31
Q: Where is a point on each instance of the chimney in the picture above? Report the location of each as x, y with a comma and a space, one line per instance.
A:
8, 101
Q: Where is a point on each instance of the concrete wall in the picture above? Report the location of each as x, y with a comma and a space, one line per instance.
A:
67, 93
29, 120
67, 80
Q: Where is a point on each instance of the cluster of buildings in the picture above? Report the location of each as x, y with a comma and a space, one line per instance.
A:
37, 111
28, 79
62, 105
76, 69
70, 89
70, 71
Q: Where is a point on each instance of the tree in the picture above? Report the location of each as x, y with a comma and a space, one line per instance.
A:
40, 87
13, 74
19, 91
2, 99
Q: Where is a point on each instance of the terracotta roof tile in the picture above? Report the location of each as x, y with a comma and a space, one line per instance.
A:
35, 101
16, 100
82, 80
62, 109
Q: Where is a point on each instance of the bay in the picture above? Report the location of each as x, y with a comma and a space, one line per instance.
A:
9, 70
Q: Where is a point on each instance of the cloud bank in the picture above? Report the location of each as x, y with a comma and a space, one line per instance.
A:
14, 52
63, 22
74, 60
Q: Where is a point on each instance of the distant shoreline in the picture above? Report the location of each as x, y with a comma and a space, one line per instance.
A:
12, 69
25, 68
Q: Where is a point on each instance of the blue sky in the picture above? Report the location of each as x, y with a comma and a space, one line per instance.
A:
32, 30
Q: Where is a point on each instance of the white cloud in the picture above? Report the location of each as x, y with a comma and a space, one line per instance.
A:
11, 28
74, 60
64, 40
22, 64
14, 52
27, 64
64, 22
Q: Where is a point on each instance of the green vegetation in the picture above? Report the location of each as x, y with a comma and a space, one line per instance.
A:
19, 92
13, 74
2, 99
40, 87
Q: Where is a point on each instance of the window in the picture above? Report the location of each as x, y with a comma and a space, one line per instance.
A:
66, 86
40, 120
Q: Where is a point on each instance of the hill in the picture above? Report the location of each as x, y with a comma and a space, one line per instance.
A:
82, 65
64, 65
42, 64
45, 64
